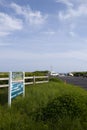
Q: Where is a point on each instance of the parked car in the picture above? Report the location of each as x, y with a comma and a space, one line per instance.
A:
54, 74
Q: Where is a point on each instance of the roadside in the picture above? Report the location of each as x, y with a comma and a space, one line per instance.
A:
78, 81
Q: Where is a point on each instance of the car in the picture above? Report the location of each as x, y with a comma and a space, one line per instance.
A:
54, 74
71, 74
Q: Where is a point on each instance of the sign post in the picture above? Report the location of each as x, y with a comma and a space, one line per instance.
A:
16, 85
24, 84
9, 89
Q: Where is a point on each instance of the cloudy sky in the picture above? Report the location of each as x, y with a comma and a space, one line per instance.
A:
43, 35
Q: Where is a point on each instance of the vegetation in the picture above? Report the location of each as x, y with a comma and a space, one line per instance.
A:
83, 74
4, 75
49, 106
36, 73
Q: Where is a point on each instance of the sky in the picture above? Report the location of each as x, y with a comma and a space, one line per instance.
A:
43, 35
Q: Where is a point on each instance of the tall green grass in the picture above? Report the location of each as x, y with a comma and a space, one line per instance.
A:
49, 106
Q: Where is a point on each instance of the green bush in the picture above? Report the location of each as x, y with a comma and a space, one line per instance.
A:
63, 106
55, 79
65, 112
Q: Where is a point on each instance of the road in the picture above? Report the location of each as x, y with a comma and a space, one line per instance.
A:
78, 81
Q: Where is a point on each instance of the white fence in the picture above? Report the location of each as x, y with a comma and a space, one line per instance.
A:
33, 78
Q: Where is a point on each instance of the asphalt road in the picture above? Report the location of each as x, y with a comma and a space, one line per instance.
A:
78, 81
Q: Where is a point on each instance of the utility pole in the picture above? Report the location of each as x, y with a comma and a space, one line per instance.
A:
51, 68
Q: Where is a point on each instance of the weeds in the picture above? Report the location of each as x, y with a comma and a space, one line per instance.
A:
49, 106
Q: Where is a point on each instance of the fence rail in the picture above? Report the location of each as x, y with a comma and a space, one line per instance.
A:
4, 78
33, 78
4, 86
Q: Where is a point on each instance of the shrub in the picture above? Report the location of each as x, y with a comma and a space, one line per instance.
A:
55, 79
63, 106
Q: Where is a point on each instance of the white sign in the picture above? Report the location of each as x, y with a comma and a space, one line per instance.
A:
16, 85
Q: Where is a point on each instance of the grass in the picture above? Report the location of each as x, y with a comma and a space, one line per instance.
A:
49, 106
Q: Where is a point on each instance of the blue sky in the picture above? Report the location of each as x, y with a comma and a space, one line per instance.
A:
43, 34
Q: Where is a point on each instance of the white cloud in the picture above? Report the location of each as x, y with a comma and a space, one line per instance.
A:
9, 24
25, 55
66, 2
32, 17
74, 19
23, 15
72, 33
71, 13
78, 55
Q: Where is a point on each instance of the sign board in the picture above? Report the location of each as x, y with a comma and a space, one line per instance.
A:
16, 85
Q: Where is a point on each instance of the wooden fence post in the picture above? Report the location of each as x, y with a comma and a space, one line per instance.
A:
33, 79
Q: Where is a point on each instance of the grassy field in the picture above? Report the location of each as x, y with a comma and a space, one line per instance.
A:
49, 106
